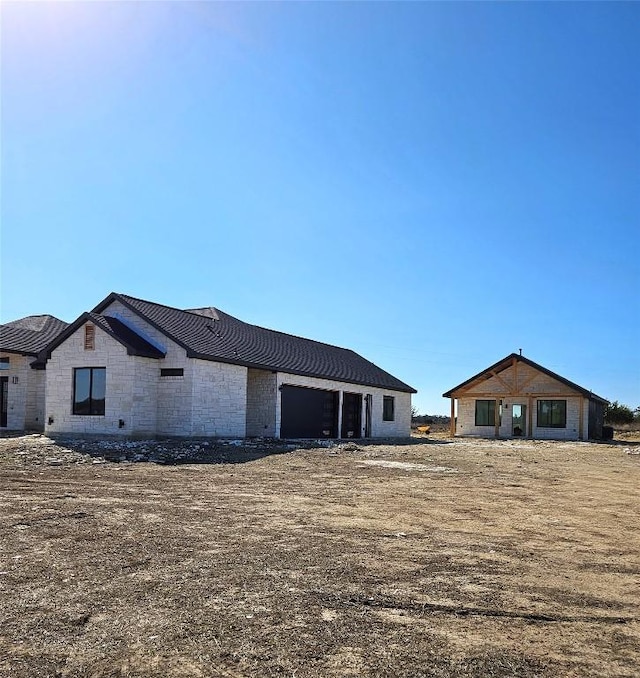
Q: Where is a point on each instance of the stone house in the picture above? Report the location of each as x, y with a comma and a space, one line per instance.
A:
135, 367
517, 397
22, 378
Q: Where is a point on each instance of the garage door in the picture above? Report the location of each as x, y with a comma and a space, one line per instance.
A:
308, 413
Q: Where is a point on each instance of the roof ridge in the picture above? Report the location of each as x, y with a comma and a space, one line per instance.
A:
171, 308
531, 363
244, 322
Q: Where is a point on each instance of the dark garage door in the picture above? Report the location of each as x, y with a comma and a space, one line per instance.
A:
308, 413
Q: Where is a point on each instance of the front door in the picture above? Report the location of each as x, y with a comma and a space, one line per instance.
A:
351, 415
4, 397
519, 420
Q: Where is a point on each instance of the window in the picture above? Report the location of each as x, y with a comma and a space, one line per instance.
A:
89, 386
552, 413
4, 364
89, 337
171, 372
485, 412
388, 407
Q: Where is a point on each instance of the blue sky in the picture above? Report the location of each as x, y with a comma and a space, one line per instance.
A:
434, 185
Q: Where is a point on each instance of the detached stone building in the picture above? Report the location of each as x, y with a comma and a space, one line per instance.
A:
134, 367
22, 378
517, 397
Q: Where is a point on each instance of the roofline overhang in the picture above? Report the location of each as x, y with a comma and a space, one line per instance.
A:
16, 352
77, 323
114, 296
506, 362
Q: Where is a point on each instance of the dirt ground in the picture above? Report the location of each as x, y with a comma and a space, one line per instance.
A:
427, 558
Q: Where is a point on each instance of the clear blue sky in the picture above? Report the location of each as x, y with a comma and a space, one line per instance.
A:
434, 185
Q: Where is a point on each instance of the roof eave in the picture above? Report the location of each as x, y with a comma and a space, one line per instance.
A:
315, 375
17, 352
508, 360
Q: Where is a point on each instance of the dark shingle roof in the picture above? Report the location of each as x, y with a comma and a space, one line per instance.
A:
507, 362
28, 336
211, 334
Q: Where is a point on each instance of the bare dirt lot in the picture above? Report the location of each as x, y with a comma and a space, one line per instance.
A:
429, 558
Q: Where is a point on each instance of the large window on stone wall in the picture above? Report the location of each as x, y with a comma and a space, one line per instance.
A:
485, 412
552, 413
89, 388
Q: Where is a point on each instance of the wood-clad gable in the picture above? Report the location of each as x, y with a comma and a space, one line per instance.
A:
517, 375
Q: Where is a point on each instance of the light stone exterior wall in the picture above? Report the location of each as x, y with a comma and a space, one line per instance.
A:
399, 428
219, 399
209, 400
34, 415
174, 395
174, 403
536, 386
144, 416
262, 399
120, 380
572, 430
17, 394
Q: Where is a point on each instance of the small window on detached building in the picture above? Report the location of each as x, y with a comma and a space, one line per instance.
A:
4, 364
552, 413
89, 389
388, 408
89, 337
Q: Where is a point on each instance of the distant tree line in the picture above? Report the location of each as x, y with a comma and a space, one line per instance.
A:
429, 419
616, 413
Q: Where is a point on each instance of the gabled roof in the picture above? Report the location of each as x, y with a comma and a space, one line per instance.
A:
507, 362
28, 336
131, 340
211, 334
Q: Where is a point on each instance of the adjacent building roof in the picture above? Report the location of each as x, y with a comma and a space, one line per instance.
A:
30, 335
211, 334
507, 362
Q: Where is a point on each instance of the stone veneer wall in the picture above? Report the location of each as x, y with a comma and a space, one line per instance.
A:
219, 399
399, 428
120, 380
262, 398
17, 394
34, 414
208, 400
173, 395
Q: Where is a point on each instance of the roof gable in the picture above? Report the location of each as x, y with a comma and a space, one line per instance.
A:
133, 342
211, 334
500, 382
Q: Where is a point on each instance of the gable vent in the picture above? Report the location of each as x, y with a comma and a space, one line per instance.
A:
89, 337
